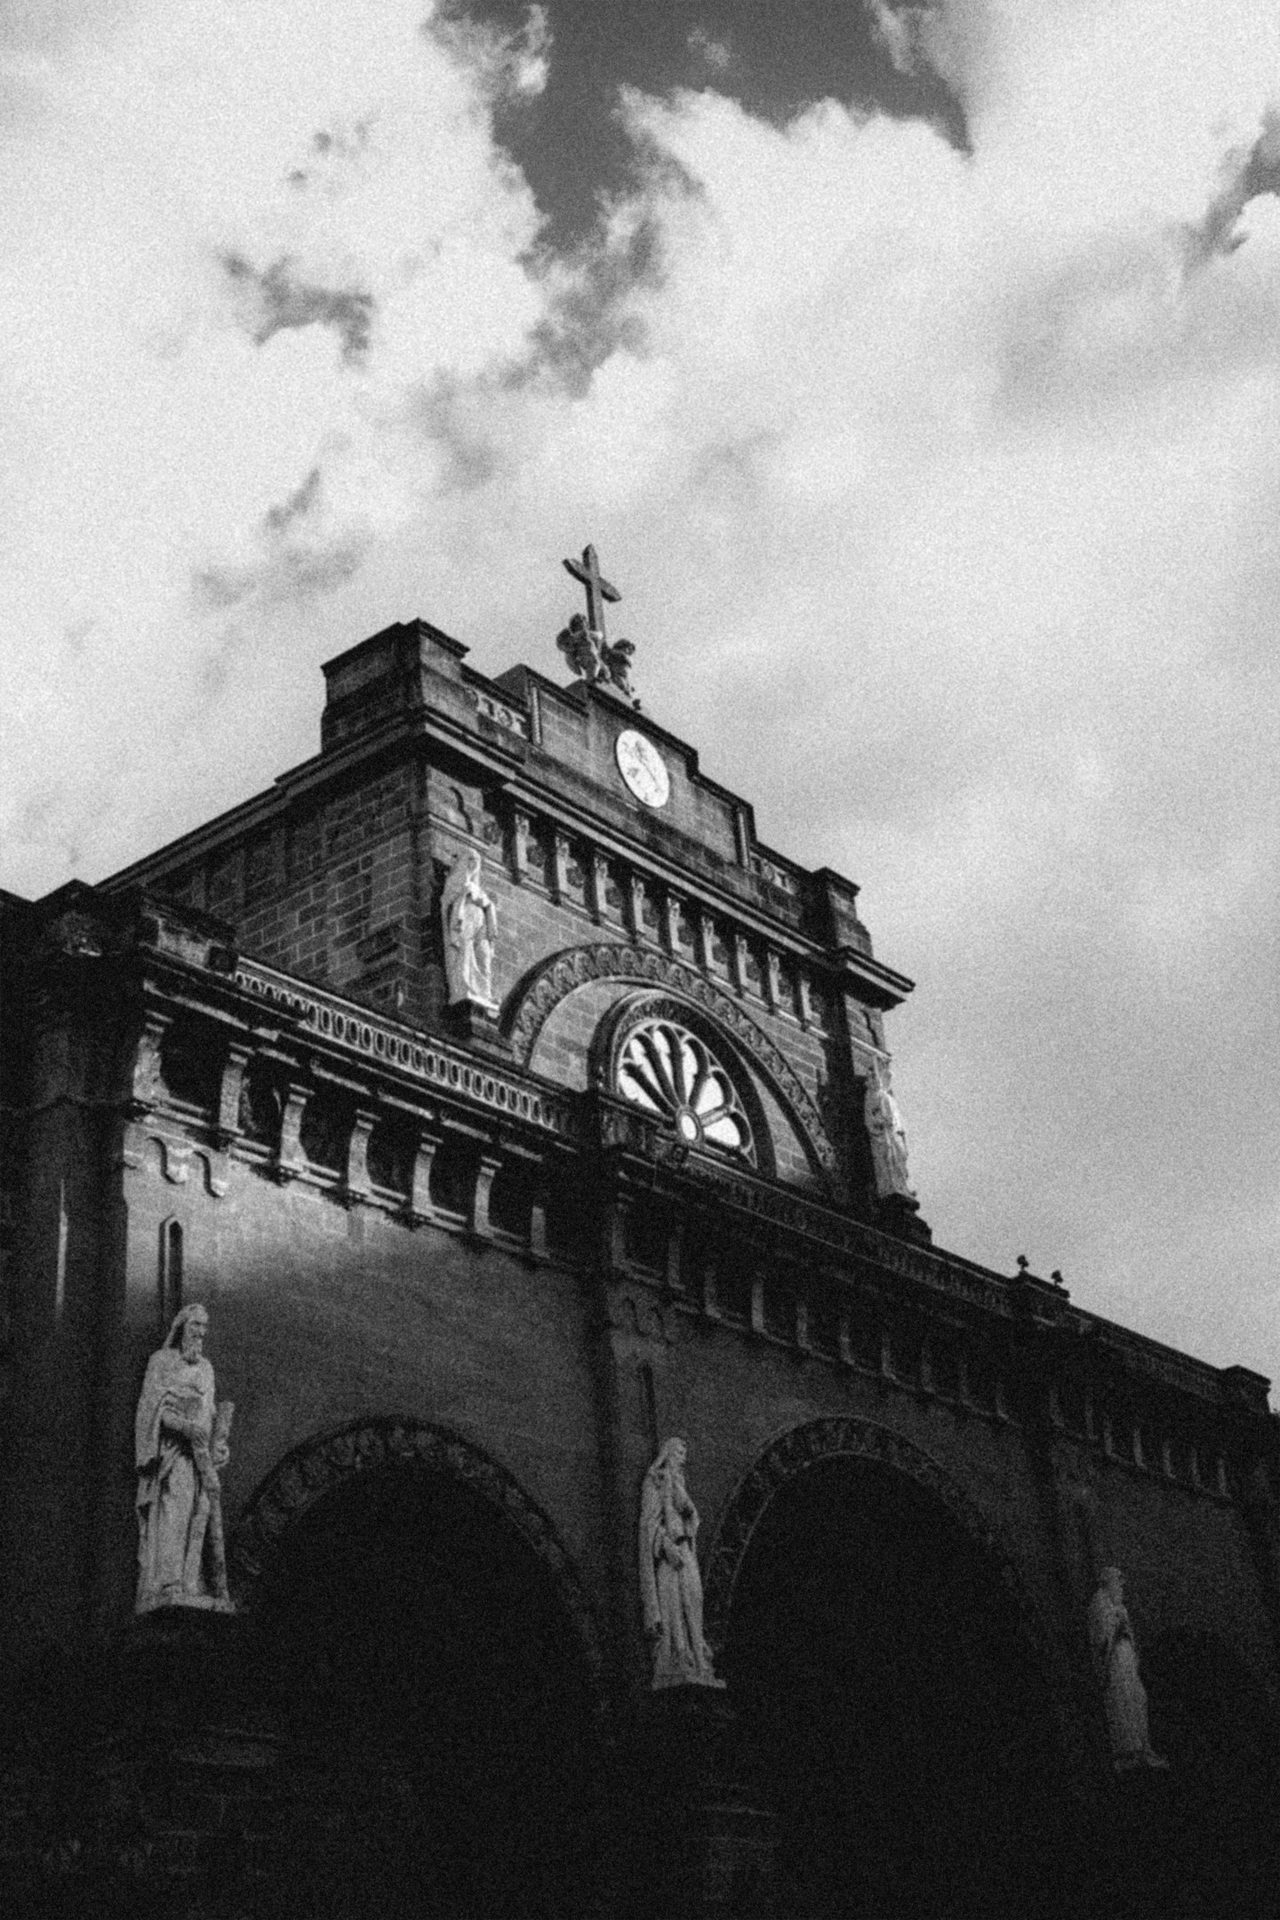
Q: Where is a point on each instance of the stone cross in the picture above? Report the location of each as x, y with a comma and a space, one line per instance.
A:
587, 570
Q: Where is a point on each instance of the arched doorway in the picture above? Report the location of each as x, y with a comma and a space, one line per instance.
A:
897, 1704
437, 1702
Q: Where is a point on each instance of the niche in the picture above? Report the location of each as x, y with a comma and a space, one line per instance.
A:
191, 1067
169, 1276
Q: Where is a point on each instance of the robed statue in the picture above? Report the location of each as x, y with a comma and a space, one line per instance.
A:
670, 1583
888, 1136
1115, 1662
181, 1444
470, 932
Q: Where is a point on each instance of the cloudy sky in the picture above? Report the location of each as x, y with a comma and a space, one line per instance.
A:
915, 371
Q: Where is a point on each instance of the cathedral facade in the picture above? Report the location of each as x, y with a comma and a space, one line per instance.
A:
487, 1429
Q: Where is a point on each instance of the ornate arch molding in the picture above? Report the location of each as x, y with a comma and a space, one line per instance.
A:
649, 1004
333, 1459
803, 1447
542, 990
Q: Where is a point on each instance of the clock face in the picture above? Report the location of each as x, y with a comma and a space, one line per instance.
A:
643, 768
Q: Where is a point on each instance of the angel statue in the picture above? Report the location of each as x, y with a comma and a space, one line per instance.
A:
581, 647
616, 656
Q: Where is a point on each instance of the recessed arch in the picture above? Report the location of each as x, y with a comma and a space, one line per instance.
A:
435, 1671
553, 979
914, 1717
802, 1447
330, 1461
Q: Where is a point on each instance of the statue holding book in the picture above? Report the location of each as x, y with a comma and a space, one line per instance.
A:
181, 1436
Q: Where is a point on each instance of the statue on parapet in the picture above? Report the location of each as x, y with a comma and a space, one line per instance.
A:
580, 645
470, 933
616, 656
1115, 1662
181, 1446
670, 1583
888, 1136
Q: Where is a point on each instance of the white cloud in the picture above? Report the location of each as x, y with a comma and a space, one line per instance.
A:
942, 496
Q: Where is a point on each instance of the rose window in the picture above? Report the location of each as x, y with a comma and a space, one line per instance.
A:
670, 1073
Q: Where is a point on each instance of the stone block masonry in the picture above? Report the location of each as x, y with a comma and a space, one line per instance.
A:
336, 875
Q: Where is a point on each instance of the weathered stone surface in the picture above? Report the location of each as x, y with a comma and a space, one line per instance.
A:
461, 1288
181, 1446
670, 1579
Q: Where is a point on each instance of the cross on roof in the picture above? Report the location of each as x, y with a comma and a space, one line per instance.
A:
598, 589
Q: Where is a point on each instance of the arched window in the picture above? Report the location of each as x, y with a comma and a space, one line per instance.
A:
669, 1072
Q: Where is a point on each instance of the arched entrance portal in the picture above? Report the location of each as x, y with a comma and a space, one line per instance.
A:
437, 1700
897, 1704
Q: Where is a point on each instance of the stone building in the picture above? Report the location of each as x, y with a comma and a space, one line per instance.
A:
511, 1109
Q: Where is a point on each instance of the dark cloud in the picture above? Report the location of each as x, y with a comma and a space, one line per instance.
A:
328, 148
509, 62
299, 560
1247, 172
591, 315
578, 155
281, 302
449, 414
295, 573
76, 635
297, 505
1117, 323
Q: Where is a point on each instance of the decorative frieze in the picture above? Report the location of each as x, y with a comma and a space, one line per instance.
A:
359, 1184
820, 1305
774, 874
433, 1062
421, 1205
564, 972
598, 887
738, 956
290, 1155
146, 1062
478, 1218
501, 715
232, 1090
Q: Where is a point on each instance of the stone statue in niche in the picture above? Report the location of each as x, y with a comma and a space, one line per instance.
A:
1115, 1661
670, 1583
888, 1136
181, 1436
470, 931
